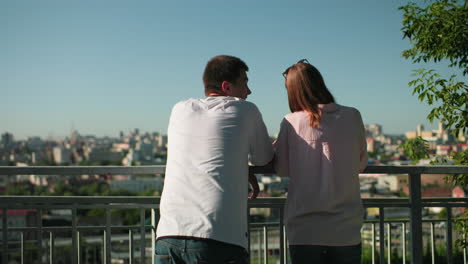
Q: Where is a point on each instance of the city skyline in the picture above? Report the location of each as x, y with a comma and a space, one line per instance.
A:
110, 66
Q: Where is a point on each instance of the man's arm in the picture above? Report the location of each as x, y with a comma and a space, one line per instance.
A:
261, 150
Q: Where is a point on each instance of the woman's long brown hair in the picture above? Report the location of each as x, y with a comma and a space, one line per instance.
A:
306, 90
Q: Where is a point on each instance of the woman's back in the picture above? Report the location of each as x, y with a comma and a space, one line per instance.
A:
324, 205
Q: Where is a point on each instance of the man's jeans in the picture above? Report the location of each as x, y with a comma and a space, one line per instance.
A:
305, 254
181, 250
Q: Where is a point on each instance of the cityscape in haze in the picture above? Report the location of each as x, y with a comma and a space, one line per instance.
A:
136, 147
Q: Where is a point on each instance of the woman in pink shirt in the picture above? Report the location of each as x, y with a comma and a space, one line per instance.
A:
321, 147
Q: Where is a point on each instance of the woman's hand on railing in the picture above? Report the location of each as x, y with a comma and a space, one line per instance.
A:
254, 184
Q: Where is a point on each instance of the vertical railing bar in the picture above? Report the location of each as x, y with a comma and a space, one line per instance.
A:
153, 234
259, 252
104, 247
389, 244
142, 235
51, 249
282, 253
39, 233
22, 247
75, 245
381, 235
464, 248
373, 243
108, 237
130, 246
78, 247
449, 235
265, 244
5, 235
416, 218
432, 243
403, 238
285, 245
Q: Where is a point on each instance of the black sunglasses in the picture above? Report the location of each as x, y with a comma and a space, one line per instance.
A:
285, 73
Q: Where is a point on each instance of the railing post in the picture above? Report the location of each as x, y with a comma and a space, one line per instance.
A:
78, 247
381, 235
389, 244
449, 236
22, 247
39, 233
104, 247
432, 243
130, 246
285, 245
153, 234
464, 248
403, 241
416, 218
51, 249
373, 243
108, 246
281, 246
5, 235
75, 244
142, 235
265, 244
259, 252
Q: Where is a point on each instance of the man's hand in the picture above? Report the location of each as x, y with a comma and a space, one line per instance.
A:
254, 183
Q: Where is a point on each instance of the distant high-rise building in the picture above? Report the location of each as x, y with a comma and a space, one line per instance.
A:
374, 130
7, 139
62, 155
162, 141
419, 130
431, 136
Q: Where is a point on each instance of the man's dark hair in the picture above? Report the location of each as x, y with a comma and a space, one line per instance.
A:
222, 68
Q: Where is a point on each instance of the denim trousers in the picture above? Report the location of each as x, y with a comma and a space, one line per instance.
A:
182, 250
305, 254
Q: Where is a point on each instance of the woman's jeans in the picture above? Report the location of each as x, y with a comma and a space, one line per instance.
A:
182, 250
305, 254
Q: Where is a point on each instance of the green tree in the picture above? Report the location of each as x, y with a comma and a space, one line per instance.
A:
416, 149
438, 31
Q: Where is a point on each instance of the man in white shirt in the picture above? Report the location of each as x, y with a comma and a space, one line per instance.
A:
210, 142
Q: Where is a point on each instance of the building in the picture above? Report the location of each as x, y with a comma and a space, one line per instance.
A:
7, 140
374, 130
394, 183
103, 155
62, 155
370, 144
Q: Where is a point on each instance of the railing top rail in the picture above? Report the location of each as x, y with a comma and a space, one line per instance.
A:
271, 201
80, 170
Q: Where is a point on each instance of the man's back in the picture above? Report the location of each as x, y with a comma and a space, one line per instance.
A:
205, 190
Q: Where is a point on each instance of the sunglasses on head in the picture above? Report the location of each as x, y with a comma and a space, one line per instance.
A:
285, 73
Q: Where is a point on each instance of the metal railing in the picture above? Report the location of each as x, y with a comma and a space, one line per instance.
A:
415, 203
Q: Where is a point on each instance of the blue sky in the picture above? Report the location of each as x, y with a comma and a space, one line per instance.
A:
105, 66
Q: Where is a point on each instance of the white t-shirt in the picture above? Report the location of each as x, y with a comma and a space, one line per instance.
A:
210, 142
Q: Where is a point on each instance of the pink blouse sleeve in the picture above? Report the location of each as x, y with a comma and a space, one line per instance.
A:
281, 147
